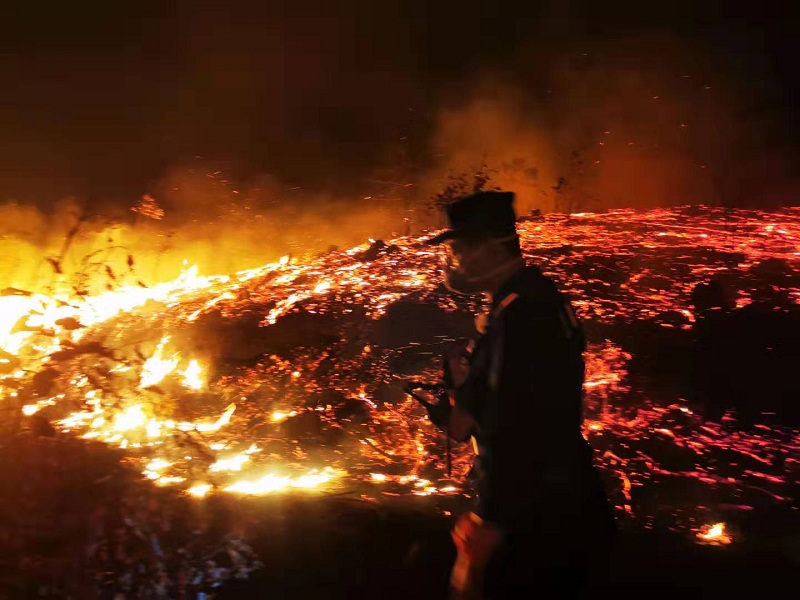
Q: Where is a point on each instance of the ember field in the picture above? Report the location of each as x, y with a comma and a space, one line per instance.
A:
286, 381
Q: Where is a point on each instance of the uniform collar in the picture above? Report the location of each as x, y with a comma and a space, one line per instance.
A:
509, 286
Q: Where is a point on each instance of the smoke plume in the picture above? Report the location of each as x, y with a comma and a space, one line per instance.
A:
639, 122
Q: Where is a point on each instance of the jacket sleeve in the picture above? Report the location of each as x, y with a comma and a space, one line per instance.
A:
538, 370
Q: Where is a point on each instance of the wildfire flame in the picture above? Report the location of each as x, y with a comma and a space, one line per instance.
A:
192, 375
12, 310
275, 483
156, 367
200, 490
619, 267
128, 419
715, 534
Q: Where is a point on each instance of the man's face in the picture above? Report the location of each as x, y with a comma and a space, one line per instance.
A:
469, 260
466, 255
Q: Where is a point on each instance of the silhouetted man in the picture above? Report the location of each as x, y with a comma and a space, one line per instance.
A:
541, 511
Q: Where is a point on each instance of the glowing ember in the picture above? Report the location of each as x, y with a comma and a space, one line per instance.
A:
715, 534
151, 471
280, 415
30, 409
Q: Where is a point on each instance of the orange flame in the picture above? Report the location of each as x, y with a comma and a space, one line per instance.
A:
135, 421
715, 534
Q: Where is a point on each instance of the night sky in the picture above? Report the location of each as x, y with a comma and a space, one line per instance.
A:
104, 98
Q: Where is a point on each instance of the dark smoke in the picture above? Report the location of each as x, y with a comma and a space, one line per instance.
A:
300, 111
642, 121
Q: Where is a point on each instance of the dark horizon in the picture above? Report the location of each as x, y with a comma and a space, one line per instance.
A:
105, 100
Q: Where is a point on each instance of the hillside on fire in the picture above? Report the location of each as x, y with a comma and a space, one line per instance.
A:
229, 392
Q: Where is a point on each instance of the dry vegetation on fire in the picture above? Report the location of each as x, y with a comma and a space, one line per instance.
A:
284, 378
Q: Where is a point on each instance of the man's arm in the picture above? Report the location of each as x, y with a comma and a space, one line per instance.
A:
447, 415
461, 424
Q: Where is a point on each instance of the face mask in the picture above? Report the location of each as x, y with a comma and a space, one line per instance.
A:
457, 268
458, 283
456, 272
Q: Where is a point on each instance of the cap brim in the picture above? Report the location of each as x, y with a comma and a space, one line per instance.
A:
442, 237
452, 234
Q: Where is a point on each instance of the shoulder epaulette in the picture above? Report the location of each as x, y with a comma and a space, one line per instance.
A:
504, 303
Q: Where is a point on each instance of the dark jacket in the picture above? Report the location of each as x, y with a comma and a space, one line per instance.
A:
525, 389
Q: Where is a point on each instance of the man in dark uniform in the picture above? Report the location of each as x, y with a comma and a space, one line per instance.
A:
541, 513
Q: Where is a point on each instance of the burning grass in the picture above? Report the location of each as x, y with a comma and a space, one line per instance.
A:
284, 378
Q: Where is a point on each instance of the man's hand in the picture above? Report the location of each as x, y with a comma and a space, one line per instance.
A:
439, 413
456, 364
477, 539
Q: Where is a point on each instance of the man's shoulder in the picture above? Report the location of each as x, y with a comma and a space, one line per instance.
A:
532, 297
533, 286
519, 307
